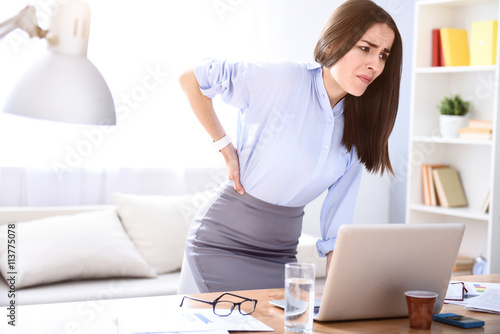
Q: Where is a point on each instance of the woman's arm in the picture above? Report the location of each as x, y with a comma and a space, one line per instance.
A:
204, 110
328, 260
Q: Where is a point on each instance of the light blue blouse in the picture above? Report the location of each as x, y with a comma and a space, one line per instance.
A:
288, 137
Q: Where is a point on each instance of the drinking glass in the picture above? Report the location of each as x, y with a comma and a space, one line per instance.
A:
299, 296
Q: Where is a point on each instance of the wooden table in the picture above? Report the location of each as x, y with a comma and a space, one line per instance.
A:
273, 316
98, 316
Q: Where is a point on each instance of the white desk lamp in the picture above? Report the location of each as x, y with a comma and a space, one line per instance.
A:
64, 85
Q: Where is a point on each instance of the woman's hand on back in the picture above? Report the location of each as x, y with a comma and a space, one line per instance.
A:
233, 167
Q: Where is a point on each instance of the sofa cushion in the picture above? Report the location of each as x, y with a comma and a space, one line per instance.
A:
158, 225
85, 245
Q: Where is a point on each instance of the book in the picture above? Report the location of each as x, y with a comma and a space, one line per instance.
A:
483, 43
428, 188
463, 265
434, 201
425, 185
486, 204
437, 48
455, 47
449, 188
478, 123
474, 133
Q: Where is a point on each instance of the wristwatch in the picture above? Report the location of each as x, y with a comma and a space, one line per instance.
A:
221, 143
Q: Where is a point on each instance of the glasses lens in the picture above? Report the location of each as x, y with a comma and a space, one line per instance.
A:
223, 308
247, 307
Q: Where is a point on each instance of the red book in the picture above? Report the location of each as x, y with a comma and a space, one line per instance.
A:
437, 52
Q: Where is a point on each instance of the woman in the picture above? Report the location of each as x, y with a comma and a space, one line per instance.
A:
302, 129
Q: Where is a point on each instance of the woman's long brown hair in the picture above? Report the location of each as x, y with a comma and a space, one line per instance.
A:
369, 118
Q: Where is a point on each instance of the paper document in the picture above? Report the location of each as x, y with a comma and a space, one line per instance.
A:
489, 302
187, 320
473, 295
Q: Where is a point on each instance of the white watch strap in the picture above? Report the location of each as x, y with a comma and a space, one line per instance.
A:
221, 143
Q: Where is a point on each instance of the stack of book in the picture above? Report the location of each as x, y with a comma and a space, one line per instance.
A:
451, 47
463, 266
476, 129
442, 186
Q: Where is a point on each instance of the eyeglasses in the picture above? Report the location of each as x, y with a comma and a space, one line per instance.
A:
224, 308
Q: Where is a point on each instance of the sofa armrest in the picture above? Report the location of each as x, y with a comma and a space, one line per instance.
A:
306, 252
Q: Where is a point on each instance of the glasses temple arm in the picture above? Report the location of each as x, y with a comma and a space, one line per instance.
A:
232, 294
196, 299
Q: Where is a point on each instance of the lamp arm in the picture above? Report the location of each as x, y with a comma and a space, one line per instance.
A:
25, 20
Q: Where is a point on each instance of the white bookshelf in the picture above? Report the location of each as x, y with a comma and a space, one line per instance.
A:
477, 161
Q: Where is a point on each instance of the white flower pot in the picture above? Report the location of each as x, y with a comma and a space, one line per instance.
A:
449, 125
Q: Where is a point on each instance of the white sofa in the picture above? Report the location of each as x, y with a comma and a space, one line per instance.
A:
133, 248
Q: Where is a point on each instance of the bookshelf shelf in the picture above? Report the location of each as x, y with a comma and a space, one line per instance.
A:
454, 69
453, 212
455, 3
455, 141
477, 161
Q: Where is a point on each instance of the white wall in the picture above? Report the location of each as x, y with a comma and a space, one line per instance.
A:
399, 141
132, 41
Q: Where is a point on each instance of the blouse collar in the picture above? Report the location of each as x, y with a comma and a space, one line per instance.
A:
338, 109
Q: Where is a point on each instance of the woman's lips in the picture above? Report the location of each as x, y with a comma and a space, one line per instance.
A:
365, 79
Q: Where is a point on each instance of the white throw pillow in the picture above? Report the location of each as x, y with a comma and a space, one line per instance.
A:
86, 245
158, 225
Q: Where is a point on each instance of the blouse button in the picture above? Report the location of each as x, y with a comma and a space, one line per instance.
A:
326, 147
330, 120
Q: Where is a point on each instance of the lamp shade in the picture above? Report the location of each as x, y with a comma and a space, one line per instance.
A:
64, 85
63, 88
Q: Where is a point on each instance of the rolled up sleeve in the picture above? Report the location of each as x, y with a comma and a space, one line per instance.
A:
338, 207
221, 77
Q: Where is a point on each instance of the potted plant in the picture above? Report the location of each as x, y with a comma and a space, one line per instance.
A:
453, 116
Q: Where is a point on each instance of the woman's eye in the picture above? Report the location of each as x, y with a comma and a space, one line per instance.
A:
364, 48
383, 56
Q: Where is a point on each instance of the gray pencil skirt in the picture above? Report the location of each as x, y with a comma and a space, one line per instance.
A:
238, 242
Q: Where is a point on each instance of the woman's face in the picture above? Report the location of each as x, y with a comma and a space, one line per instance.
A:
359, 67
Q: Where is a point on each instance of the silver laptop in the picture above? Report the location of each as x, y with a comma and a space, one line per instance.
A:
373, 265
